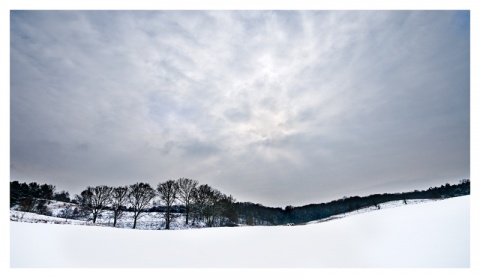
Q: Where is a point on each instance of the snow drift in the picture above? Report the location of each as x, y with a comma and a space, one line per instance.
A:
432, 234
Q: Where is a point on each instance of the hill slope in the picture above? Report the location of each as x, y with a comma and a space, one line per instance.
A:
432, 234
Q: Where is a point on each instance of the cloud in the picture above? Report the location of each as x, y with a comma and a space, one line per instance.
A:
278, 107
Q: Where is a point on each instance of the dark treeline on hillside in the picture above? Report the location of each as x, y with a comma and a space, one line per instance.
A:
33, 197
200, 203
257, 214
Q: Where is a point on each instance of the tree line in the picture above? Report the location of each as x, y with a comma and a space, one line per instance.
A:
257, 214
200, 203
33, 197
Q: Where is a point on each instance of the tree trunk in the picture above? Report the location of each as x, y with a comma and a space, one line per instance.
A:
134, 222
167, 226
115, 217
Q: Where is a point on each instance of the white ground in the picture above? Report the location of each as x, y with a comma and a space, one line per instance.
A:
146, 221
432, 234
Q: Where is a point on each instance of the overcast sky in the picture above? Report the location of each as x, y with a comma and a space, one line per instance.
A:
279, 108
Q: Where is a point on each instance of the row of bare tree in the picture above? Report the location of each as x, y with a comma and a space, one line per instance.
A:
206, 204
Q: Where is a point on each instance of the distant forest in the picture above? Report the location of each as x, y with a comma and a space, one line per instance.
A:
201, 202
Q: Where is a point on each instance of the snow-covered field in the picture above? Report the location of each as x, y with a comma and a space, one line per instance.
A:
431, 234
154, 220
146, 221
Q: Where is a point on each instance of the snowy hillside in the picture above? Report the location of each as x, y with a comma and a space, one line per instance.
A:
431, 234
155, 220
146, 221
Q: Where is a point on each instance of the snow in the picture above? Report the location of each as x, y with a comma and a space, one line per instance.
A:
153, 220
146, 220
430, 234
392, 204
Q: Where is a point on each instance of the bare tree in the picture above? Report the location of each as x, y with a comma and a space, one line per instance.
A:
95, 199
119, 199
66, 212
213, 209
186, 188
206, 203
27, 204
200, 201
227, 211
139, 197
168, 194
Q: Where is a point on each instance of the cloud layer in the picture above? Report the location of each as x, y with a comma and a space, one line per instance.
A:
276, 107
